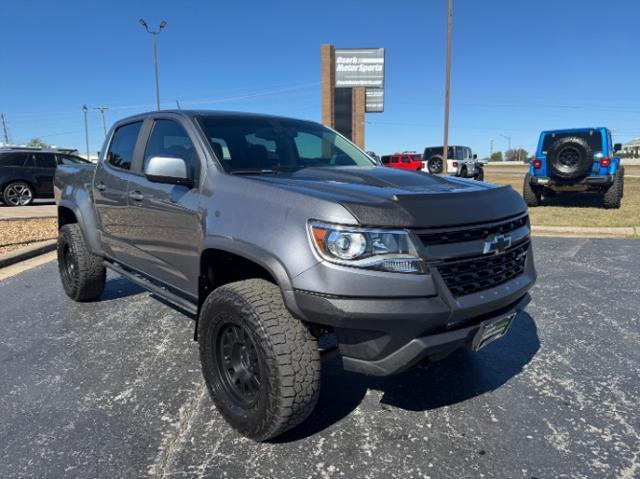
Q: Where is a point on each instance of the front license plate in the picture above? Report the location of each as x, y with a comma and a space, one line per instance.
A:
491, 330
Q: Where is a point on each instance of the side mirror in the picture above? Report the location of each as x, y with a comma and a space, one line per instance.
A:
475, 156
168, 170
617, 147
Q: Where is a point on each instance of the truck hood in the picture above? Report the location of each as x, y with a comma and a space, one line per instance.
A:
381, 196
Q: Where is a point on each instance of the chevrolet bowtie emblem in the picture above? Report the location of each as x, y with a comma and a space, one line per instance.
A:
496, 244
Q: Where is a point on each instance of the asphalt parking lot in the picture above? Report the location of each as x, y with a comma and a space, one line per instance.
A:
113, 389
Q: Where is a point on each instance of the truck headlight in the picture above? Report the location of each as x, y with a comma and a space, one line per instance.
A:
378, 249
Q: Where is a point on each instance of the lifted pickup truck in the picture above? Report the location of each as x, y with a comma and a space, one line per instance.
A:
276, 233
575, 160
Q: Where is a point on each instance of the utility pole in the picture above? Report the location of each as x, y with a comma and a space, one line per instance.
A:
154, 35
490, 148
4, 130
86, 129
447, 88
102, 109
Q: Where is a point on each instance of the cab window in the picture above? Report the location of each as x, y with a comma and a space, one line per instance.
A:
169, 139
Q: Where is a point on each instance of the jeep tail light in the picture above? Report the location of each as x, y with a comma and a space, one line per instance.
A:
537, 164
605, 162
454, 164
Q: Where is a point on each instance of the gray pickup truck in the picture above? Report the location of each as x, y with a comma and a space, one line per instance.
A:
280, 235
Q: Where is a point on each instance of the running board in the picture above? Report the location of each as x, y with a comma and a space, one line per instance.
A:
152, 287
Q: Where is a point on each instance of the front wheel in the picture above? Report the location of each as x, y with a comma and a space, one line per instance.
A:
82, 273
17, 193
261, 365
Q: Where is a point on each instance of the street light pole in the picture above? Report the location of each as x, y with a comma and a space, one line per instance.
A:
102, 109
447, 88
86, 129
154, 36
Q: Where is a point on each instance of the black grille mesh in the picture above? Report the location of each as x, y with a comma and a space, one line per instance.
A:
472, 233
477, 273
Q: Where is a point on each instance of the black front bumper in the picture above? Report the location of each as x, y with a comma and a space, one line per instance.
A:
384, 336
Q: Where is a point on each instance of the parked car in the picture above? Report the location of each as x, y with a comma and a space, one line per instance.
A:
276, 233
373, 155
575, 160
460, 162
404, 161
27, 173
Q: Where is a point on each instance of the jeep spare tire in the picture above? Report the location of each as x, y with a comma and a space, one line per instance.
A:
434, 165
569, 158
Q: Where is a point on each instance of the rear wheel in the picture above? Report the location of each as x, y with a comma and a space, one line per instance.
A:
17, 193
463, 172
82, 273
480, 175
532, 194
261, 365
613, 195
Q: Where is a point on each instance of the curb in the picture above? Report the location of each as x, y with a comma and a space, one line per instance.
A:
22, 218
585, 232
22, 254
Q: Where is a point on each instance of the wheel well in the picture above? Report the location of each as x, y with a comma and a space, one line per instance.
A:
65, 217
218, 267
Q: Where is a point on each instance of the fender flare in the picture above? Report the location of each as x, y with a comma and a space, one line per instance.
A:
88, 226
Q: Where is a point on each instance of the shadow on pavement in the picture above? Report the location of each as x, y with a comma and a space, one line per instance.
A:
119, 287
461, 376
574, 200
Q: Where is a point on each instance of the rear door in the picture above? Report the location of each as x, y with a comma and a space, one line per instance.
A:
110, 189
163, 221
44, 171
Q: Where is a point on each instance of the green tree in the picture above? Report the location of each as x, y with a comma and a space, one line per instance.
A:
496, 156
517, 154
37, 143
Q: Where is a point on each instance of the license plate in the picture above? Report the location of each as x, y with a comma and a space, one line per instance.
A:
491, 330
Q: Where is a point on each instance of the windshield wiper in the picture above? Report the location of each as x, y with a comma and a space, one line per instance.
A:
253, 172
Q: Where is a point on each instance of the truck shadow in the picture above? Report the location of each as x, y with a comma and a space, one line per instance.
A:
574, 200
461, 376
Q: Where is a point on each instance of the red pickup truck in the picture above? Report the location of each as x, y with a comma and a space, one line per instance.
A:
405, 161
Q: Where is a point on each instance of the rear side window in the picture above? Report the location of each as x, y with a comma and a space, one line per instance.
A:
13, 159
45, 160
124, 142
169, 139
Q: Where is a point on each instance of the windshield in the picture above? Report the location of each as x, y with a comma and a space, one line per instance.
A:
273, 144
592, 137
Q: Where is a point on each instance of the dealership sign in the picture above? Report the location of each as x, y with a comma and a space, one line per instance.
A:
374, 100
359, 67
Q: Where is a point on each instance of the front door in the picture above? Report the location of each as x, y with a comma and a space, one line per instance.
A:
164, 227
110, 190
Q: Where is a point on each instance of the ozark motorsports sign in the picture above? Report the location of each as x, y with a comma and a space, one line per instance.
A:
359, 67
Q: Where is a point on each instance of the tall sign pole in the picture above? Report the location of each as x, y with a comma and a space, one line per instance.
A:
447, 88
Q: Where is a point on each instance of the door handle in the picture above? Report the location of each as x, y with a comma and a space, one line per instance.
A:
136, 195
101, 186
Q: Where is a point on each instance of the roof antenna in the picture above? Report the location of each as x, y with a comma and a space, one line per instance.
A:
178, 105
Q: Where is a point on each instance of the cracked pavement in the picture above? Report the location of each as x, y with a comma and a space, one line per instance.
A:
113, 389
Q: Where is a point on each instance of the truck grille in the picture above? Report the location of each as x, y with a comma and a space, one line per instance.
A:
477, 273
471, 233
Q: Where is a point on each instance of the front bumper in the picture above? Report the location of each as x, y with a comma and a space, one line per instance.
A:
588, 180
382, 335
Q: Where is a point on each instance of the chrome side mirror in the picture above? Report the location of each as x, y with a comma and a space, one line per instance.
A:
169, 170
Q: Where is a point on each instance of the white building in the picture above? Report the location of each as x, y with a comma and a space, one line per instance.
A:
632, 147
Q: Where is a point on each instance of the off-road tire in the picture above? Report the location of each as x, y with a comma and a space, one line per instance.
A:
532, 194
613, 195
463, 172
81, 272
548, 193
480, 175
435, 165
569, 158
18, 193
287, 361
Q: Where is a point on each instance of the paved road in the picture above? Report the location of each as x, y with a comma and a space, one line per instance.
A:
113, 389
40, 209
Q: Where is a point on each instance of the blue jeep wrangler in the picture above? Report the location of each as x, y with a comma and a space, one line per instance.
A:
579, 159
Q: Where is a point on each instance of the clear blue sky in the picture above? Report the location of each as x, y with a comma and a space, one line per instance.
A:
518, 66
